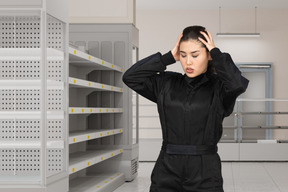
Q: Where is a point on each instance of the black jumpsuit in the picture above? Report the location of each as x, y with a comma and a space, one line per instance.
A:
191, 112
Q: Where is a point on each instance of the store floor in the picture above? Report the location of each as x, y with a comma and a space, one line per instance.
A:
238, 177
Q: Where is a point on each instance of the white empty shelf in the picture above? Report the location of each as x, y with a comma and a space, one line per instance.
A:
30, 115
85, 110
20, 179
79, 83
82, 59
31, 54
97, 182
29, 84
80, 136
81, 160
30, 144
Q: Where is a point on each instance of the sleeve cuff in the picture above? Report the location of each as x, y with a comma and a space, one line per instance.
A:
168, 59
215, 52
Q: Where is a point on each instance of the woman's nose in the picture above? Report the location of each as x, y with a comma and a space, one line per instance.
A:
189, 61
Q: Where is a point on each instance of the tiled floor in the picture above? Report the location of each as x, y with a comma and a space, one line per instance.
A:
238, 177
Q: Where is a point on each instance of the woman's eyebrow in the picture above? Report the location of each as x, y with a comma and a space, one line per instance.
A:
191, 52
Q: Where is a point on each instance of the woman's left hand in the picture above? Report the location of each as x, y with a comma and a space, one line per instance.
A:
209, 40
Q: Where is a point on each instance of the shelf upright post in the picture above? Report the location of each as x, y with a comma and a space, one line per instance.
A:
43, 97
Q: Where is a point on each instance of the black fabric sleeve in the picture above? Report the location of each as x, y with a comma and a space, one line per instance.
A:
232, 82
146, 76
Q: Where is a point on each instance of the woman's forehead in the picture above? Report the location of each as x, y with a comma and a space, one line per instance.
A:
191, 45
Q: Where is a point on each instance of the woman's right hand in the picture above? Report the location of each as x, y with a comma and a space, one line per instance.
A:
175, 50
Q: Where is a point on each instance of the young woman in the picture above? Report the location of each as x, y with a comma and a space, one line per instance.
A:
191, 109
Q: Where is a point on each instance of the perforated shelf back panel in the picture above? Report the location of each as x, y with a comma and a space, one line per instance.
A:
29, 130
18, 33
24, 32
27, 162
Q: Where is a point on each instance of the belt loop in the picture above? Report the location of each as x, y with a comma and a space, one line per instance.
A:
164, 145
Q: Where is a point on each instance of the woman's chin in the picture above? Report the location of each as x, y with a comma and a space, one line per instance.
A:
191, 75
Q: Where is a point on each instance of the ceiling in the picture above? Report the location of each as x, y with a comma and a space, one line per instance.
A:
208, 4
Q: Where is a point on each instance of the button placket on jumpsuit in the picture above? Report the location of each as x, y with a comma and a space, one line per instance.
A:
191, 112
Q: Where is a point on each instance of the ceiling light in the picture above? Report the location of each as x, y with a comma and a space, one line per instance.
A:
238, 34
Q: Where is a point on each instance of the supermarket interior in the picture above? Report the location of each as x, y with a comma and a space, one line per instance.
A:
85, 104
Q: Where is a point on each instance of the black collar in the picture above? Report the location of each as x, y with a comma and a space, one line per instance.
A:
198, 80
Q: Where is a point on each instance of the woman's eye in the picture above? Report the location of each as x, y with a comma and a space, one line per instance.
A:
195, 56
183, 56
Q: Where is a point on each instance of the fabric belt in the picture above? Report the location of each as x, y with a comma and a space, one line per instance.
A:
190, 149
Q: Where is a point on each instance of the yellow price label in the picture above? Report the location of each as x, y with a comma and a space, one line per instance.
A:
74, 81
106, 110
112, 66
112, 88
100, 110
113, 110
101, 134
88, 136
121, 69
120, 130
82, 110
73, 170
74, 139
89, 57
119, 110
111, 178
107, 133
105, 181
88, 164
112, 154
101, 158
121, 151
72, 110
89, 84
121, 89
91, 110
102, 86
102, 62
113, 132
98, 186
75, 52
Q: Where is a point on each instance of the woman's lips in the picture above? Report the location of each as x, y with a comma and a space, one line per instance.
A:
189, 70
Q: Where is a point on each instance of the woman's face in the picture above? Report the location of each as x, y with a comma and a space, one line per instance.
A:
193, 57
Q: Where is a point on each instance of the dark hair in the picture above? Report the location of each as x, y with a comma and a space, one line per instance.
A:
193, 33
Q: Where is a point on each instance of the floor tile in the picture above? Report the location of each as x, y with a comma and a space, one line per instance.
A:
237, 176
252, 177
279, 174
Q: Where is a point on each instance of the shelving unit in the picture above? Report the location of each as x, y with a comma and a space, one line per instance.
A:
102, 152
257, 134
84, 158
37, 150
33, 91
